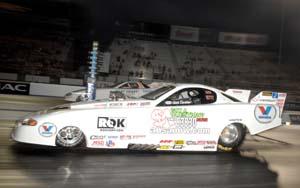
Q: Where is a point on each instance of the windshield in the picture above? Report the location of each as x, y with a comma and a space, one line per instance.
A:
157, 93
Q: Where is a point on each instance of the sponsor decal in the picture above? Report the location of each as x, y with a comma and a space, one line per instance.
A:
164, 147
267, 100
280, 103
130, 91
132, 104
274, 95
110, 143
209, 147
98, 143
202, 119
267, 93
138, 136
235, 120
111, 123
125, 137
145, 103
180, 130
185, 122
14, 88
166, 141
115, 104
96, 137
47, 129
100, 105
201, 142
112, 137
237, 91
177, 121
179, 142
177, 146
282, 95
131, 137
159, 117
183, 113
265, 113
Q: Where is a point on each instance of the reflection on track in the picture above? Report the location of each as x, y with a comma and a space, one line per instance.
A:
25, 166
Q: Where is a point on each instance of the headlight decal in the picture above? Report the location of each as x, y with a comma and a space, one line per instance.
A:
29, 122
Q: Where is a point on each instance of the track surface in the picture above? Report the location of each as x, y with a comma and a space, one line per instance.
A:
22, 166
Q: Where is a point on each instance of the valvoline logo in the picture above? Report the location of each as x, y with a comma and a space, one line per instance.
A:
265, 110
47, 129
265, 113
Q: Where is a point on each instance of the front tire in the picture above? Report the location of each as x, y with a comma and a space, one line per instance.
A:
231, 137
70, 137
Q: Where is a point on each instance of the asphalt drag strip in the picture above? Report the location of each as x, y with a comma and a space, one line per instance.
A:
27, 166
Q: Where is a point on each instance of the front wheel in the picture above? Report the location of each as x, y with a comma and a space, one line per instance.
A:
231, 137
70, 136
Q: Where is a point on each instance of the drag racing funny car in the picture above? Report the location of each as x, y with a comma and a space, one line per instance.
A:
180, 117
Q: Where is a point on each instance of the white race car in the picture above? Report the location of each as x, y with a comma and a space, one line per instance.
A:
182, 117
120, 90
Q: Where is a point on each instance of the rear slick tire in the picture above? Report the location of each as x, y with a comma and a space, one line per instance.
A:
231, 137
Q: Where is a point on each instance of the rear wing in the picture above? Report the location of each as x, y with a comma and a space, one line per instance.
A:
269, 97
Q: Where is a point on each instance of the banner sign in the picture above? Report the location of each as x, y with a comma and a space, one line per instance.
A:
14, 88
243, 39
183, 33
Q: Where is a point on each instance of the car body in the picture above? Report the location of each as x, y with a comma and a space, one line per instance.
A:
181, 117
120, 90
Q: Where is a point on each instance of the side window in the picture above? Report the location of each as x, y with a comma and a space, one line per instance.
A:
134, 85
190, 96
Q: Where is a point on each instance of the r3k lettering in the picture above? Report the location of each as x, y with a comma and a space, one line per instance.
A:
108, 122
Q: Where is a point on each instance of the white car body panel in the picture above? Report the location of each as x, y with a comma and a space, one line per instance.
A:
140, 121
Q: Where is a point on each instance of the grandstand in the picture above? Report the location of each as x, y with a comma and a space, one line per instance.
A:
55, 56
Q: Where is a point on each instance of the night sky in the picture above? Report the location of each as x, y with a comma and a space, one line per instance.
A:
97, 18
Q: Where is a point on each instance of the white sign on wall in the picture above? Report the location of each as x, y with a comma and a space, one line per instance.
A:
183, 33
243, 39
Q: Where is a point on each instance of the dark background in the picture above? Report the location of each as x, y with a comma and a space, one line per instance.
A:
100, 20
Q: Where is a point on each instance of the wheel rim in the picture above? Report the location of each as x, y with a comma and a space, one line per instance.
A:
69, 136
230, 134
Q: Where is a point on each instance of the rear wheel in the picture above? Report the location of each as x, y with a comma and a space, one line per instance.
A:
231, 137
70, 136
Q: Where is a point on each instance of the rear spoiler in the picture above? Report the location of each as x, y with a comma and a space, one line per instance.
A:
264, 97
240, 94
270, 97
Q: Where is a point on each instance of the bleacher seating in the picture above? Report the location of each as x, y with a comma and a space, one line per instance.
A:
153, 60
